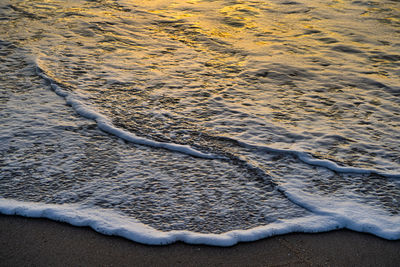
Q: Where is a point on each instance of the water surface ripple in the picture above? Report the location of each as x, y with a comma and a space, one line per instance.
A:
290, 108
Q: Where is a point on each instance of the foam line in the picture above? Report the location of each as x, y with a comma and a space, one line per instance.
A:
112, 223
307, 158
105, 125
350, 215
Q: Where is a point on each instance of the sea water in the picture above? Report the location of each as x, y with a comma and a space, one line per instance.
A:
209, 122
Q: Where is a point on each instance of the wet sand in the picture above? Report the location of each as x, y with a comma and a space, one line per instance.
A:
41, 242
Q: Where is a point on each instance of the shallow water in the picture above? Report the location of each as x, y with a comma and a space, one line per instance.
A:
290, 108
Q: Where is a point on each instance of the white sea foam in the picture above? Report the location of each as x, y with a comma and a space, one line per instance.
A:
105, 125
112, 223
350, 214
307, 158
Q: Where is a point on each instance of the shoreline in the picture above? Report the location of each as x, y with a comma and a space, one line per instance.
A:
42, 242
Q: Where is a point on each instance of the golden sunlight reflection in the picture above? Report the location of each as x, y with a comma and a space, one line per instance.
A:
303, 65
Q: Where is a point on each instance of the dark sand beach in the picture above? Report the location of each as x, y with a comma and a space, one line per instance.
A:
41, 242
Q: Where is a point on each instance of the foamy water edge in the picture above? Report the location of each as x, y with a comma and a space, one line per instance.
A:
111, 223
105, 125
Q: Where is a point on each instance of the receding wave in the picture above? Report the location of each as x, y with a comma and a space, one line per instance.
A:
202, 122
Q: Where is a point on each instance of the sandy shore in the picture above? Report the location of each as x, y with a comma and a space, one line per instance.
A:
41, 242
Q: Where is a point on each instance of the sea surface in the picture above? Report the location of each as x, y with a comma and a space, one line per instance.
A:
203, 121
